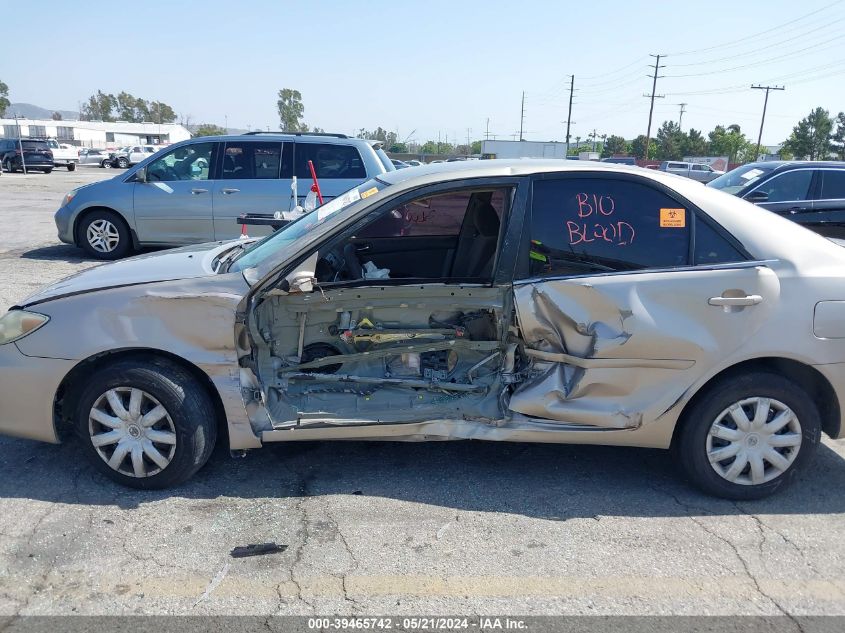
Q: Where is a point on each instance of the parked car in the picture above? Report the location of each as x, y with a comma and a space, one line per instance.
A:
811, 193
399, 164
64, 155
523, 300
128, 156
695, 171
620, 160
92, 156
36, 155
208, 182
415, 163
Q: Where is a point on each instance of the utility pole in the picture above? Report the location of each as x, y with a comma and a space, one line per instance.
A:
469, 147
522, 117
763, 120
652, 96
569, 115
681, 115
593, 136
487, 130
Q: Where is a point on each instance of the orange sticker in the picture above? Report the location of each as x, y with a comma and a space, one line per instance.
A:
673, 218
369, 192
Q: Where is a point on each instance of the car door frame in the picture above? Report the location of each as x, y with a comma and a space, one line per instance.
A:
827, 215
788, 208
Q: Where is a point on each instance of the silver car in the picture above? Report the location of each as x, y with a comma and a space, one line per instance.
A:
695, 171
524, 301
194, 191
98, 157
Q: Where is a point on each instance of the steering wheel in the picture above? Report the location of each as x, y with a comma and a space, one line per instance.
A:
163, 173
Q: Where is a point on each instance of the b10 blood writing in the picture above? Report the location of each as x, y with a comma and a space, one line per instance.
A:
599, 209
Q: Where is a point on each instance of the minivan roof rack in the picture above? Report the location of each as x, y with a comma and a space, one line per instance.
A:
298, 133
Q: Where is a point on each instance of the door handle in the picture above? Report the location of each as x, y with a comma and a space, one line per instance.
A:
794, 210
748, 300
198, 191
229, 190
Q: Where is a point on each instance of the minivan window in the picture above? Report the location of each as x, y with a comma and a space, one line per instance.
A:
330, 161
188, 162
833, 184
251, 160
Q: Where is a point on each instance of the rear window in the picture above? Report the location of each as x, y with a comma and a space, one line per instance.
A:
40, 146
330, 161
833, 184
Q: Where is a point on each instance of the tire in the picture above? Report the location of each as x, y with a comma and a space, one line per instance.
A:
169, 439
106, 164
710, 426
104, 235
71, 166
48, 170
10, 168
123, 163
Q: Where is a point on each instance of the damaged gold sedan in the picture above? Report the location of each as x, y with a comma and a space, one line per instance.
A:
524, 301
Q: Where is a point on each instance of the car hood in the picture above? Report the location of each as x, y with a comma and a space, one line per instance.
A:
179, 263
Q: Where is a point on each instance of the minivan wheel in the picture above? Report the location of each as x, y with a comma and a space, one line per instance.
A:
104, 235
748, 436
146, 423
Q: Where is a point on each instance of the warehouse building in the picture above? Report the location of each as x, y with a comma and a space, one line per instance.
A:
99, 134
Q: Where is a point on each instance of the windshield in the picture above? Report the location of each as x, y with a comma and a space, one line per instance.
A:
265, 249
740, 177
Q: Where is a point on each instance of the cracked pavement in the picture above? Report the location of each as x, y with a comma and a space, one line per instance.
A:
448, 527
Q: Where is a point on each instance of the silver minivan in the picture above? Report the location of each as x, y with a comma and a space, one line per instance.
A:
194, 191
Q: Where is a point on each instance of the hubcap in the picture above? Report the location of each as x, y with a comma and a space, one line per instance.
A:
103, 236
754, 441
132, 432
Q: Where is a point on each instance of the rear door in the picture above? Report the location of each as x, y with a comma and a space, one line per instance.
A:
827, 215
255, 177
619, 307
338, 168
175, 205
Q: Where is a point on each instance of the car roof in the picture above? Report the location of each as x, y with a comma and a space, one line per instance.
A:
786, 164
334, 139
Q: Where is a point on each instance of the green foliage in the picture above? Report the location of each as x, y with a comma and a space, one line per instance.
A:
812, 136
209, 129
695, 144
838, 137
475, 147
291, 110
99, 107
398, 148
56, 116
161, 112
731, 142
125, 107
379, 134
614, 146
670, 141
433, 147
638, 148
4, 99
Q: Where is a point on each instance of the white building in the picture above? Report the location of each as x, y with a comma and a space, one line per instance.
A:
100, 134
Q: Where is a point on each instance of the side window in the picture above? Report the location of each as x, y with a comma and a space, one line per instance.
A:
833, 184
251, 160
788, 186
584, 225
441, 215
189, 162
330, 161
712, 248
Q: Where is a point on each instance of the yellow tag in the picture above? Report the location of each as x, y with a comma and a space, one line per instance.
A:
369, 192
673, 218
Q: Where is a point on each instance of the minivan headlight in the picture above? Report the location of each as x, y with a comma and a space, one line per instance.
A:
16, 324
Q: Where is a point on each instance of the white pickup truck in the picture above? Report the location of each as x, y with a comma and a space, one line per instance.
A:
64, 155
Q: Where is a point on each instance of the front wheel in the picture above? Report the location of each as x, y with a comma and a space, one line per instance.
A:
748, 436
123, 163
48, 170
146, 423
104, 235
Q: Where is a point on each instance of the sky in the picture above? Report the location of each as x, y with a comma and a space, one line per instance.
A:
453, 68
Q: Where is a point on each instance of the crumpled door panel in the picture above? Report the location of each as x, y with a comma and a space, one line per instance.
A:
617, 351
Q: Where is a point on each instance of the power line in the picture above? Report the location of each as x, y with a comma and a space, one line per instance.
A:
763, 119
755, 35
652, 96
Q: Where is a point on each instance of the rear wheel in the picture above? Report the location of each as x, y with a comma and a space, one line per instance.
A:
748, 436
7, 165
104, 235
146, 423
71, 166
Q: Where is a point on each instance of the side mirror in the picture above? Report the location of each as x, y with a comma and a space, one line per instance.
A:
757, 196
301, 279
141, 175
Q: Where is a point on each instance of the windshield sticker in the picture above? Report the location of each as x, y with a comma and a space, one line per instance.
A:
673, 218
751, 173
369, 192
337, 204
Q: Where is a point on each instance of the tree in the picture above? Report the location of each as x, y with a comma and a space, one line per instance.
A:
638, 148
614, 145
160, 112
811, 137
56, 116
99, 107
208, 129
398, 148
838, 137
670, 141
4, 99
435, 147
695, 144
291, 110
475, 147
379, 134
731, 142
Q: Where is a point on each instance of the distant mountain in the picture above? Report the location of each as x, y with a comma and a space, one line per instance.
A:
29, 111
